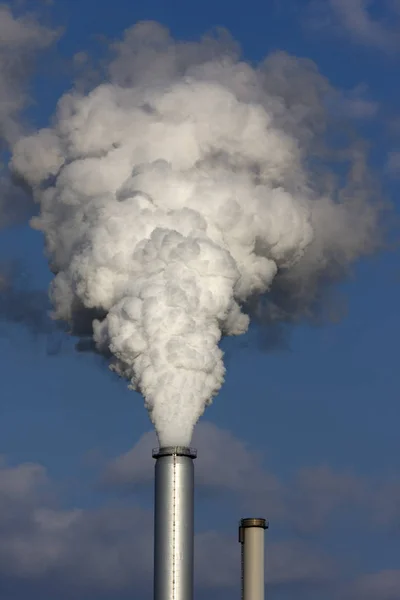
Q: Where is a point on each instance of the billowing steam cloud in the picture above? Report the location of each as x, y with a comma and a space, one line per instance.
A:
176, 192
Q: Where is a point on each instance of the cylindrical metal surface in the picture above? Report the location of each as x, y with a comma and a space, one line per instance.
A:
251, 536
174, 523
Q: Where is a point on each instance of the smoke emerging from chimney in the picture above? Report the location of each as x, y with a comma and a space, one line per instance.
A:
176, 192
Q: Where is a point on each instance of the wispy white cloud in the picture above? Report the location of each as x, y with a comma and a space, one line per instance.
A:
393, 164
357, 18
223, 462
353, 104
382, 585
356, 104
22, 38
288, 562
90, 552
306, 502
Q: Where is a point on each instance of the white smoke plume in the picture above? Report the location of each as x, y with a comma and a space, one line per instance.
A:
176, 192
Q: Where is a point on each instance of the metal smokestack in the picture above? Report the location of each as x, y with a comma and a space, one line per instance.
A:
251, 537
174, 523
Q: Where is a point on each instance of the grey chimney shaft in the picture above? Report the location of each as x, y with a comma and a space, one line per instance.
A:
174, 523
251, 536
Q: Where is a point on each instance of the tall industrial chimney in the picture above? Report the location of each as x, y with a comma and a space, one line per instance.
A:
251, 536
174, 523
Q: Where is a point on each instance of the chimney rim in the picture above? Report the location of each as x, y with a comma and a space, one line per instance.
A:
174, 451
254, 522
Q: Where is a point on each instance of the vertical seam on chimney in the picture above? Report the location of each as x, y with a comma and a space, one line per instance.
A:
174, 530
242, 565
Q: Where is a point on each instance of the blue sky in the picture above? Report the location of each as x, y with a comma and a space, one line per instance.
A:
306, 435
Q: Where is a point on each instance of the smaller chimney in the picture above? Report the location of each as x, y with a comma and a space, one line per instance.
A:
251, 537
